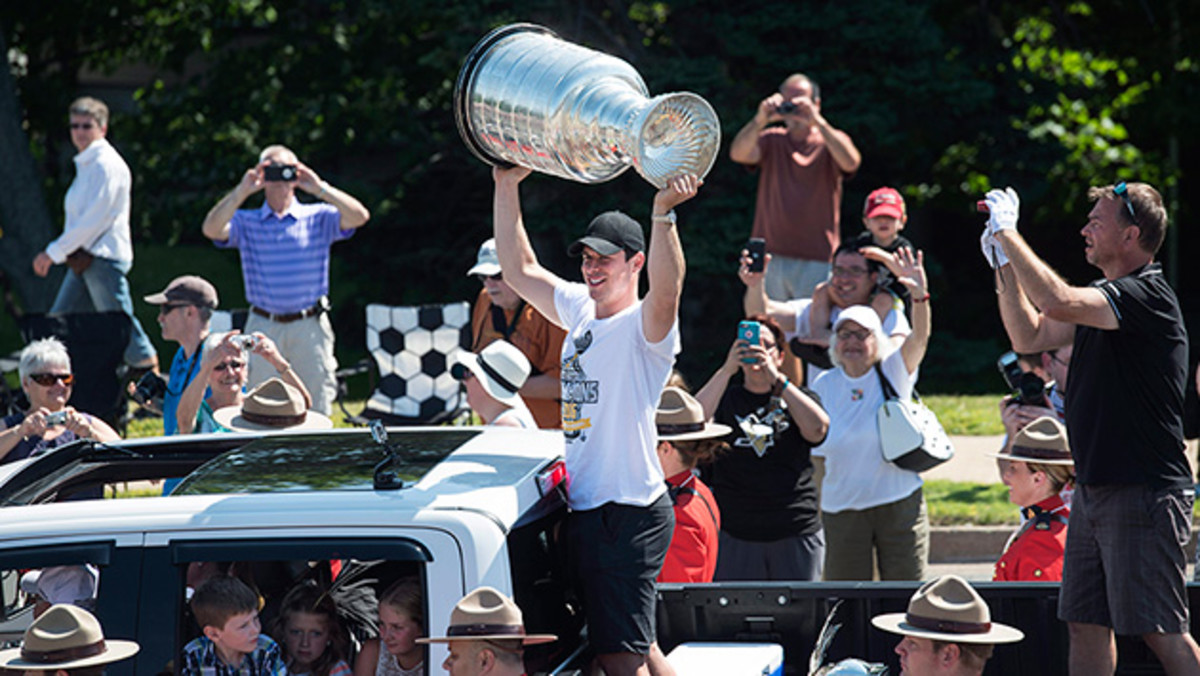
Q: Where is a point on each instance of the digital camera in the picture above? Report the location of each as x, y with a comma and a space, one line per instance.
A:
1026, 386
786, 108
149, 388
245, 341
56, 418
279, 172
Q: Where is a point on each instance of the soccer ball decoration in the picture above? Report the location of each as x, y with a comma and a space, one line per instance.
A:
412, 346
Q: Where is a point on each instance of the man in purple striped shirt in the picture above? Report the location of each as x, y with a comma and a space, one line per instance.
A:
284, 246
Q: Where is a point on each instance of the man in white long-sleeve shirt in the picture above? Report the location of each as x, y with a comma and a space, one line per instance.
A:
97, 225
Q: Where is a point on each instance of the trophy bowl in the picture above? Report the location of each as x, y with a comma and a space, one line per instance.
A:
526, 97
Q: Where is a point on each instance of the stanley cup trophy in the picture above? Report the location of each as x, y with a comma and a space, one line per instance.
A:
524, 96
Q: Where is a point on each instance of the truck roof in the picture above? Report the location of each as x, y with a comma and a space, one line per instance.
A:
272, 481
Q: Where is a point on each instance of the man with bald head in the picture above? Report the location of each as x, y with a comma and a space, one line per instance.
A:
284, 246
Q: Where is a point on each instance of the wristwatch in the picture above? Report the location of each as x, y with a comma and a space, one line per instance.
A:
668, 217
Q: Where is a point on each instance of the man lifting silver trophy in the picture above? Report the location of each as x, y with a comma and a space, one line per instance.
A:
524, 96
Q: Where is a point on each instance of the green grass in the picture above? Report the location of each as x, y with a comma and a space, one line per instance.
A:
959, 502
967, 414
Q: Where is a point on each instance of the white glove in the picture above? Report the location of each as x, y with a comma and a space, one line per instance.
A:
1005, 207
992, 251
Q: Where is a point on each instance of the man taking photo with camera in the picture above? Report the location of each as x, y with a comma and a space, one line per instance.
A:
801, 165
1124, 567
284, 246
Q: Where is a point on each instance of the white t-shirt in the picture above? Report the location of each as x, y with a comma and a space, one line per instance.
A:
894, 324
612, 378
856, 475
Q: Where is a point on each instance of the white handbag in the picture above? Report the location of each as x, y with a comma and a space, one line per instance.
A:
910, 434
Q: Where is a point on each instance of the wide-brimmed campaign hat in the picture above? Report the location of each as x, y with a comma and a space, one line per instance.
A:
487, 615
273, 405
680, 417
65, 637
501, 368
948, 609
1042, 441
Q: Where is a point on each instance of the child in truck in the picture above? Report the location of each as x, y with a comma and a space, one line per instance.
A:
401, 623
232, 644
313, 639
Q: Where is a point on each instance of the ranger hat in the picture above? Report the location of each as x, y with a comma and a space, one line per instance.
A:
273, 405
948, 609
487, 615
65, 637
1042, 441
681, 418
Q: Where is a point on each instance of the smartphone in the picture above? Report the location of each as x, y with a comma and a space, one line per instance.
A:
279, 172
757, 248
748, 333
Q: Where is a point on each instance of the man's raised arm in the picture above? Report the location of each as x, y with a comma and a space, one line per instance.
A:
216, 223
518, 263
665, 263
1039, 309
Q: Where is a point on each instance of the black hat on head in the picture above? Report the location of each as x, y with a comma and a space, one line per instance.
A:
608, 233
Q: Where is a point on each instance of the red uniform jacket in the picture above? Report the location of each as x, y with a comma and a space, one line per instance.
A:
1035, 553
692, 556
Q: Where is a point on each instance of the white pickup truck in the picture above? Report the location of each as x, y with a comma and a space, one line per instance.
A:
457, 507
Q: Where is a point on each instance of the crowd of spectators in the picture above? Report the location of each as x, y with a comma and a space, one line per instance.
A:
751, 446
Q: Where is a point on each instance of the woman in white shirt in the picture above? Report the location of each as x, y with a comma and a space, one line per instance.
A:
873, 511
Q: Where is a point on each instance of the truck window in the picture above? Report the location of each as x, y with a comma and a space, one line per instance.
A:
345, 577
95, 575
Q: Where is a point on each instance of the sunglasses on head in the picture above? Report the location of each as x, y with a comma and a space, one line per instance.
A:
48, 379
1121, 190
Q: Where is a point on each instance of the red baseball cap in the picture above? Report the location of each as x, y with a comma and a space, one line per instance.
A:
884, 202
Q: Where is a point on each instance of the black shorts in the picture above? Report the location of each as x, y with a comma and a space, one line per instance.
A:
1124, 565
616, 552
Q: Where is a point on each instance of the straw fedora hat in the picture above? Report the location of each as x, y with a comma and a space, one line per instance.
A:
65, 637
680, 417
948, 609
500, 367
1043, 441
487, 615
273, 405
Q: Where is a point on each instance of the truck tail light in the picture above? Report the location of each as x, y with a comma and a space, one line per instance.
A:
552, 477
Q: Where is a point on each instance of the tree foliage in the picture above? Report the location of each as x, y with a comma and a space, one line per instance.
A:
944, 99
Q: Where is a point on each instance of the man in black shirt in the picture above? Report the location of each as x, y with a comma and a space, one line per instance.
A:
770, 526
1124, 568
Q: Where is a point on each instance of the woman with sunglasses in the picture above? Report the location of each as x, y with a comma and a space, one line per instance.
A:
223, 374
46, 379
873, 511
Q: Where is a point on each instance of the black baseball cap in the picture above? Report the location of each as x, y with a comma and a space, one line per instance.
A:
608, 233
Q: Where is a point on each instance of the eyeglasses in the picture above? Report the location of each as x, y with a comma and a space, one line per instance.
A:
48, 379
82, 125
1121, 190
839, 271
166, 308
460, 372
229, 366
846, 334
495, 278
